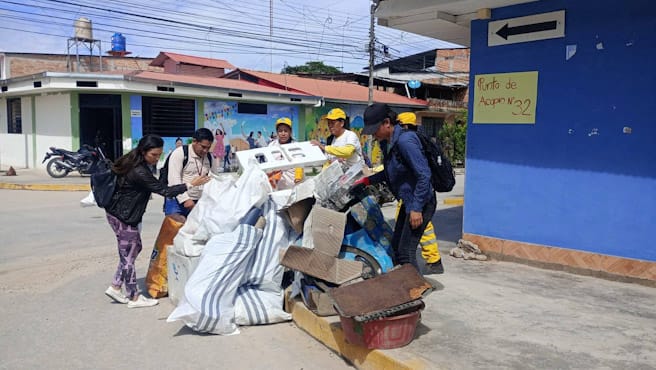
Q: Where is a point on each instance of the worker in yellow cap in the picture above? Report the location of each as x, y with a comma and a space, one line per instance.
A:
346, 145
285, 179
428, 242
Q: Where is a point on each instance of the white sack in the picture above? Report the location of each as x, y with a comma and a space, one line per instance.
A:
256, 307
183, 243
224, 207
225, 200
208, 302
266, 271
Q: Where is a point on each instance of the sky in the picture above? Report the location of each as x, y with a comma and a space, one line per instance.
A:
253, 34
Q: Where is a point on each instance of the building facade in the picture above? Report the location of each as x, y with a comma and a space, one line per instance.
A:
560, 148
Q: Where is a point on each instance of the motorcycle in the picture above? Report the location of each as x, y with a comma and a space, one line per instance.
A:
85, 161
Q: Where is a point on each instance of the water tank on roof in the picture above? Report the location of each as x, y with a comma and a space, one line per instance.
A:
83, 29
118, 42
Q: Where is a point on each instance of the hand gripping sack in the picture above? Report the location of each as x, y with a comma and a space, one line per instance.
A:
103, 184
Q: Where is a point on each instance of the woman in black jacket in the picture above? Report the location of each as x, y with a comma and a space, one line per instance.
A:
134, 184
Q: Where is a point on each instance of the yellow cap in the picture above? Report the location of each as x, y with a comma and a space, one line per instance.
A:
335, 114
284, 121
407, 118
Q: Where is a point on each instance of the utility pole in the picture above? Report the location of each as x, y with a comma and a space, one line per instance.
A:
372, 49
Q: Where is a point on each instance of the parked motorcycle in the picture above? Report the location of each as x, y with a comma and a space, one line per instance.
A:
85, 161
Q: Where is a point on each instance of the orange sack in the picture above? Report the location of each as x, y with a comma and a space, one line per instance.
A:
157, 277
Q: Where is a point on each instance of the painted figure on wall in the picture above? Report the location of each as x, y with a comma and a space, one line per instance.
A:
235, 124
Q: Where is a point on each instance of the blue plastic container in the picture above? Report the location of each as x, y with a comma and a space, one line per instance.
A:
118, 42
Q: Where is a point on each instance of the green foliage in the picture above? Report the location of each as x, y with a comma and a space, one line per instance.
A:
453, 137
311, 68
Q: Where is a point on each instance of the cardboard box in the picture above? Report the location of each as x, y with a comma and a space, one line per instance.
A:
299, 204
318, 301
180, 269
321, 261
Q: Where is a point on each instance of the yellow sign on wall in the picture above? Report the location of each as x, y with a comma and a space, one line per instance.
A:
505, 97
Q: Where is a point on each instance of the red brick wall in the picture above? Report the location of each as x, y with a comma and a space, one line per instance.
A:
452, 60
27, 64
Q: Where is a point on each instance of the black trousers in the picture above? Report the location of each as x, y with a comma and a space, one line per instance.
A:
405, 238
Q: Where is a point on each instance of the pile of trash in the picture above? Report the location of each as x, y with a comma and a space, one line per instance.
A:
229, 260
467, 250
234, 235
226, 264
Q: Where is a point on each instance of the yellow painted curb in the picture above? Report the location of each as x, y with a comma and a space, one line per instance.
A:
455, 201
45, 187
331, 335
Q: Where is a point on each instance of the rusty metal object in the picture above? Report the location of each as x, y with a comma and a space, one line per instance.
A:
383, 292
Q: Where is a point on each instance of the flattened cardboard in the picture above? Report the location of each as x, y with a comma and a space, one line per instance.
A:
399, 286
321, 261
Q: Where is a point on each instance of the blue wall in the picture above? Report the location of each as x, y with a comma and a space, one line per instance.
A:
573, 179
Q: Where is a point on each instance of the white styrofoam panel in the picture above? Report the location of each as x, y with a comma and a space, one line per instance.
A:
273, 158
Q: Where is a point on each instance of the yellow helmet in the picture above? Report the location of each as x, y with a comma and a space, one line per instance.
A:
407, 118
284, 121
335, 114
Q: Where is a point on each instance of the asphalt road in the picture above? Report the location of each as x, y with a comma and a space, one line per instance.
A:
56, 260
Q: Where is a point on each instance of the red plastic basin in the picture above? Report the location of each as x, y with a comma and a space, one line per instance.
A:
383, 333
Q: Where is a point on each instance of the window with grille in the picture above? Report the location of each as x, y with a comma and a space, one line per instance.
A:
168, 116
14, 122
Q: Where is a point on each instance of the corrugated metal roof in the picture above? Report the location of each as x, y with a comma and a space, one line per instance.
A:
332, 90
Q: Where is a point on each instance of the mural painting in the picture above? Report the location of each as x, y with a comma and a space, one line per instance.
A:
317, 128
240, 128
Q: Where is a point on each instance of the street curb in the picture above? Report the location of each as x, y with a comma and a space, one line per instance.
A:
454, 201
45, 187
332, 336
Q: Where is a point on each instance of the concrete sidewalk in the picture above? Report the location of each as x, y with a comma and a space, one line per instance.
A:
38, 179
501, 315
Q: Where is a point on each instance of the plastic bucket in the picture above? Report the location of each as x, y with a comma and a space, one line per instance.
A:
384, 333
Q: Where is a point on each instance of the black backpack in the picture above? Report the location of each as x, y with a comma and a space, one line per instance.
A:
164, 171
442, 178
103, 184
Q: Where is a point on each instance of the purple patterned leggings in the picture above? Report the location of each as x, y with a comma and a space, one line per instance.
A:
129, 246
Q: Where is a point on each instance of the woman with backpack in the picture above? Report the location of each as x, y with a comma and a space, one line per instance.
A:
134, 185
408, 177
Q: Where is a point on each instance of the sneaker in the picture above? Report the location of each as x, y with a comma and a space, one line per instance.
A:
434, 268
142, 301
116, 295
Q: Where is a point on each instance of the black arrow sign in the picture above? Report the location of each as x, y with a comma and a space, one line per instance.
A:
506, 31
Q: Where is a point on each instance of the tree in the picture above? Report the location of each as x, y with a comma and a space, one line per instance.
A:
452, 137
311, 68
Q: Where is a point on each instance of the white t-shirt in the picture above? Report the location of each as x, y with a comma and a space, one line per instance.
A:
348, 138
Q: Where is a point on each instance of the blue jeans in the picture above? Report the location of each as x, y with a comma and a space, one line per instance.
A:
171, 206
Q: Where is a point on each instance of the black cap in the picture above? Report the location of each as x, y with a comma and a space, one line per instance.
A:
373, 117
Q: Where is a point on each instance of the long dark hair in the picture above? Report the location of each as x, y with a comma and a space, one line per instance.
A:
135, 157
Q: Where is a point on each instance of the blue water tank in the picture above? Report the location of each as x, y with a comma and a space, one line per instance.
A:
118, 42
